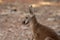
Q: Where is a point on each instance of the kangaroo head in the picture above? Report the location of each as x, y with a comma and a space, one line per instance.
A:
29, 17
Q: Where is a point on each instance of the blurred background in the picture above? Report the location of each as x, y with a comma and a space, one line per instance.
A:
12, 12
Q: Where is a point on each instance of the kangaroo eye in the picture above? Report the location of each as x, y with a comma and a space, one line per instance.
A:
26, 17
14, 10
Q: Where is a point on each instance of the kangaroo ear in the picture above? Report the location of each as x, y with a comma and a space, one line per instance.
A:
30, 9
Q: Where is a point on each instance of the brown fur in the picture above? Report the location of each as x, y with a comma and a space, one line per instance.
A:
40, 31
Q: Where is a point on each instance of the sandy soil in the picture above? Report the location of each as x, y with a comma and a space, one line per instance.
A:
11, 27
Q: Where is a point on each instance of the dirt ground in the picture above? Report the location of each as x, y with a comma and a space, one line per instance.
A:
11, 27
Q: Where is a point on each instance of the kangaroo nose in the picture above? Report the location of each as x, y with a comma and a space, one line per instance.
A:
25, 22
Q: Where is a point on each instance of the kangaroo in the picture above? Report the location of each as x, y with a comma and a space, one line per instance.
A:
40, 31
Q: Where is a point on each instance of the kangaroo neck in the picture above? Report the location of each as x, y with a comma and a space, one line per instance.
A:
34, 21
